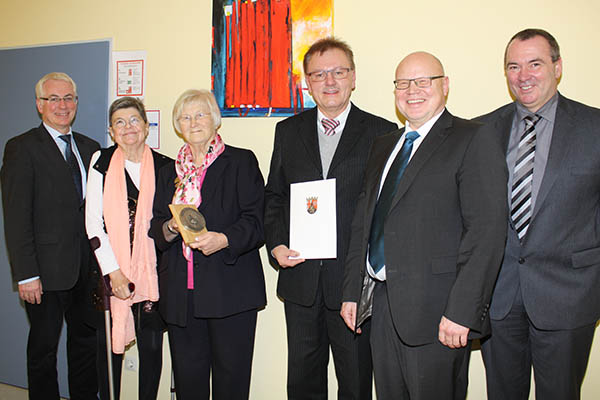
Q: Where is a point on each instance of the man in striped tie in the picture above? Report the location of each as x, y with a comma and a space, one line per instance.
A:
547, 298
331, 140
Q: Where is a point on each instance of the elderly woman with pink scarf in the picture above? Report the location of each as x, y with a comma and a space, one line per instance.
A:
120, 193
211, 288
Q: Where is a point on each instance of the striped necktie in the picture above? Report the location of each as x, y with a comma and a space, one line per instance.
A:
329, 125
520, 198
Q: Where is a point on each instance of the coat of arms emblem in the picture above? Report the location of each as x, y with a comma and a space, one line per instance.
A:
311, 205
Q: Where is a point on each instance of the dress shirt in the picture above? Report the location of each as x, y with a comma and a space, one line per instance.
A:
328, 144
94, 212
422, 131
543, 135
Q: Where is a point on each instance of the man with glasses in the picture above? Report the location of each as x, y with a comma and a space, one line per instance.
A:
547, 299
43, 181
329, 141
427, 241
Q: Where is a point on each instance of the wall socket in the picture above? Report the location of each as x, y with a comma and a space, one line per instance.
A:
130, 363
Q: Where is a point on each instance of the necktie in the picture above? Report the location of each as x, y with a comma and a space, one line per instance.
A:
73, 164
376, 248
520, 198
329, 125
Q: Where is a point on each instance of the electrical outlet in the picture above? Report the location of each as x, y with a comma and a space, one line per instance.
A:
130, 363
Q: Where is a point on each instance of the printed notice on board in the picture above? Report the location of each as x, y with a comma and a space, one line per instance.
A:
128, 74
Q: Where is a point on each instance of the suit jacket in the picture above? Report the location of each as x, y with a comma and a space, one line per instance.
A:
231, 280
43, 215
558, 264
296, 158
444, 234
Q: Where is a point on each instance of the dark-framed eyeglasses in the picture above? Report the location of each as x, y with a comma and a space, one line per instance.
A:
422, 82
321, 75
68, 99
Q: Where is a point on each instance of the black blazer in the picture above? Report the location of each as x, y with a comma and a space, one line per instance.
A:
231, 280
445, 232
296, 158
558, 264
43, 215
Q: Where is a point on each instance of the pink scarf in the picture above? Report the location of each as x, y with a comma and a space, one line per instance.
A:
139, 264
188, 186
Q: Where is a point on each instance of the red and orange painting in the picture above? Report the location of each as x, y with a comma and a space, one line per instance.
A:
257, 52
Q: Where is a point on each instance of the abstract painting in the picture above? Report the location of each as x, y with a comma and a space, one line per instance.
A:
257, 52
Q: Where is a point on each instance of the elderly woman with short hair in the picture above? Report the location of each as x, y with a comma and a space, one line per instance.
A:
211, 288
120, 193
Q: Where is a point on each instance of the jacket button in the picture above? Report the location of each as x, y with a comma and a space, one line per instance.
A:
521, 260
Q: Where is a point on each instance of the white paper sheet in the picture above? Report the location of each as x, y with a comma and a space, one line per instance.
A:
313, 230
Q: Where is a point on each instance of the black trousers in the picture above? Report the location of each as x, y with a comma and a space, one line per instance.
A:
559, 358
149, 338
46, 320
403, 372
213, 349
310, 333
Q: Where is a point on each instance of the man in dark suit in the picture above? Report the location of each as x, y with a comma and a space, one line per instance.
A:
547, 298
43, 187
427, 241
329, 141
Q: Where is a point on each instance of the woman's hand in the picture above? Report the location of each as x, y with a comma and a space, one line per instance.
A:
120, 285
170, 230
210, 242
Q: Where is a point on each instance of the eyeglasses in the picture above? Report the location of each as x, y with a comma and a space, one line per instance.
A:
321, 75
122, 123
54, 100
187, 119
423, 82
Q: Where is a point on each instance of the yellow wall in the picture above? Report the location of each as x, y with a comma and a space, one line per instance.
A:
468, 36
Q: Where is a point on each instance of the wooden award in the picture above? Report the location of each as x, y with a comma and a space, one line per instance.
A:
190, 221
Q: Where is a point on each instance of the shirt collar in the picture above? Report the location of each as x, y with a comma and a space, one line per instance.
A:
54, 133
341, 118
547, 111
426, 127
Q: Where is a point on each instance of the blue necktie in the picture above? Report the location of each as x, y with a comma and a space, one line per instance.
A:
376, 248
73, 164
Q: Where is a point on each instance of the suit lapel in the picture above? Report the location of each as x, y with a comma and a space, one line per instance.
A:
504, 125
307, 131
51, 156
351, 134
374, 171
432, 141
214, 174
84, 151
559, 146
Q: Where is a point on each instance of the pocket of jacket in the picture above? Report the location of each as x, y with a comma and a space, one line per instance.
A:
586, 258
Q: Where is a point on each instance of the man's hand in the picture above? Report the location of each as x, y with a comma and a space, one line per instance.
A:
348, 313
31, 292
210, 242
120, 285
282, 254
452, 334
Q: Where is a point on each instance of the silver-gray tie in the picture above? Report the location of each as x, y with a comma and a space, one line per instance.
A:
520, 210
